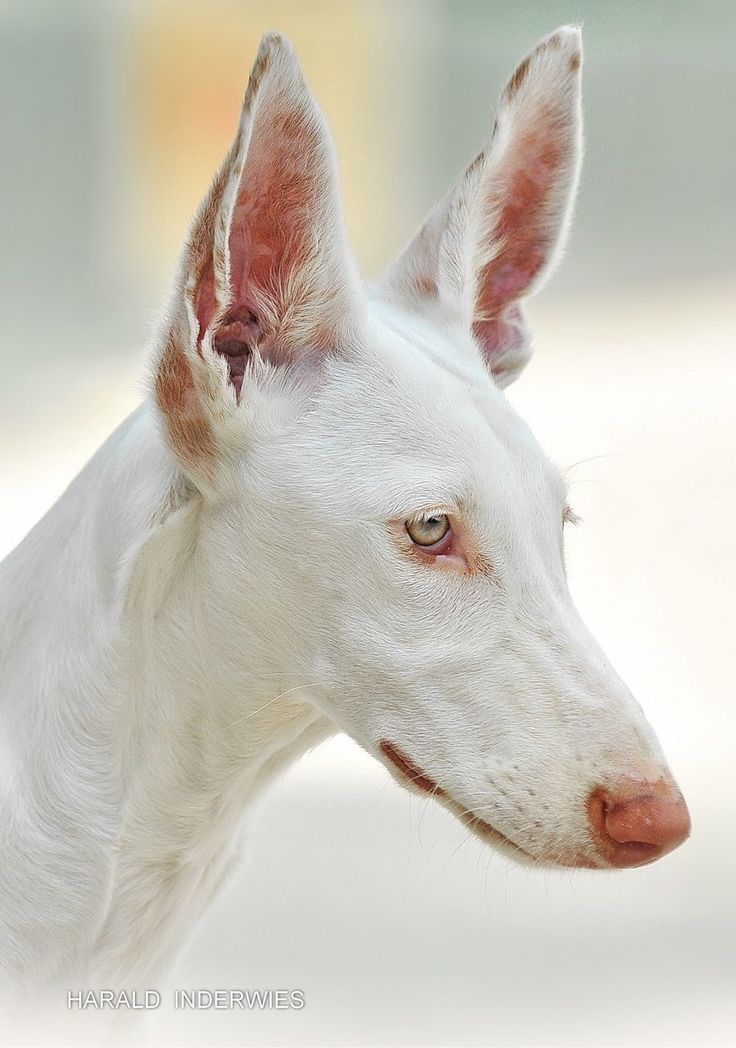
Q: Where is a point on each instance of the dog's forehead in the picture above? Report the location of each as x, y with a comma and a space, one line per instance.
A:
431, 339
418, 403
438, 389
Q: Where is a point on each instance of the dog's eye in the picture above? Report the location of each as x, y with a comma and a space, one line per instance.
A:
428, 531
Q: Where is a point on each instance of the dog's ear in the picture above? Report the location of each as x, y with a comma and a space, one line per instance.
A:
266, 273
498, 233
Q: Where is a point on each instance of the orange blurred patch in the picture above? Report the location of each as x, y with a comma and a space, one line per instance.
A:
190, 66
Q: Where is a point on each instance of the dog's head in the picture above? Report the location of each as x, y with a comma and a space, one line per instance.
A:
370, 497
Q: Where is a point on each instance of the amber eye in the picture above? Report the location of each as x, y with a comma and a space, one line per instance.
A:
429, 530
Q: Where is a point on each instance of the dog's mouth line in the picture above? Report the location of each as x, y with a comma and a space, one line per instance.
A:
419, 778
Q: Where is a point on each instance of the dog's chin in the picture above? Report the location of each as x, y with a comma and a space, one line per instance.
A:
409, 774
490, 835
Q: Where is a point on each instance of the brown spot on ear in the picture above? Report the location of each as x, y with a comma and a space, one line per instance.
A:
425, 286
518, 77
189, 431
552, 43
476, 161
258, 71
576, 62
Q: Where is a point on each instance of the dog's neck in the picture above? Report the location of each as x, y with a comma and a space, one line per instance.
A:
187, 729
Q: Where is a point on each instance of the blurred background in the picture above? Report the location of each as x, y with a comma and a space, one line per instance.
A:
397, 927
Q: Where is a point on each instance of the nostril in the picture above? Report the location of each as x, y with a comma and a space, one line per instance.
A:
648, 820
636, 822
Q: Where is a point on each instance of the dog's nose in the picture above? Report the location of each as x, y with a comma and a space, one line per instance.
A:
637, 821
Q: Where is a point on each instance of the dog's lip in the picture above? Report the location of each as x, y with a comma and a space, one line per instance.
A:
409, 769
419, 778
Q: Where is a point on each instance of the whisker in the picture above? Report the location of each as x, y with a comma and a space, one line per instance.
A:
594, 458
276, 698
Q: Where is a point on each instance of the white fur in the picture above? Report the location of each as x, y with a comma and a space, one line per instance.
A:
166, 645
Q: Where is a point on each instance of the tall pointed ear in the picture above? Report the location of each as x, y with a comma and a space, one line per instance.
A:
499, 232
266, 274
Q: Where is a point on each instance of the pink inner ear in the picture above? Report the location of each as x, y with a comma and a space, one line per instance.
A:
269, 236
502, 337
526, 230
270, 233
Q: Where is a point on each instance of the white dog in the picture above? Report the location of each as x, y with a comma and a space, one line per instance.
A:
325, 516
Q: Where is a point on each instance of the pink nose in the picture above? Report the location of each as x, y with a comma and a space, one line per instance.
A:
637, 821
